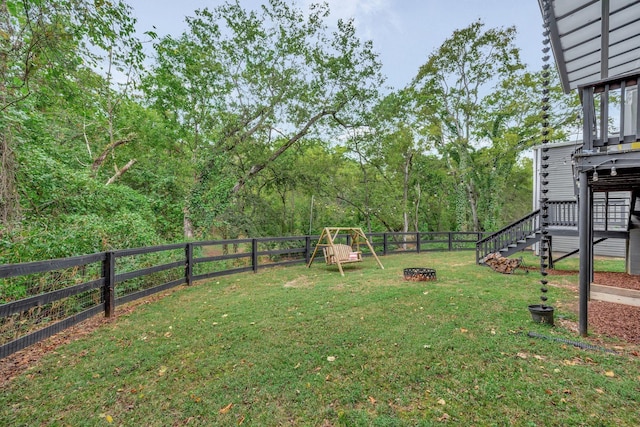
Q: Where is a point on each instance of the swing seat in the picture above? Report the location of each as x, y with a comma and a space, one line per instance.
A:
340, 253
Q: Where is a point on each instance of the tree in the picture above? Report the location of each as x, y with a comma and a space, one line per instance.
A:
40, 42
481, 110
247, 86
452, 84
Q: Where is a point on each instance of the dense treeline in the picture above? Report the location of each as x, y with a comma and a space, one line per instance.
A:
250, 123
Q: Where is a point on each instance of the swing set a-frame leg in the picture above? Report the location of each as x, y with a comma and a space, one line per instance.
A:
315, 251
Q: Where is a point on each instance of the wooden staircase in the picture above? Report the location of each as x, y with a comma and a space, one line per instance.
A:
511, 239
613, 217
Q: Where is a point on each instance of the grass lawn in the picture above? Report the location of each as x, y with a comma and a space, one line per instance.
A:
298, 346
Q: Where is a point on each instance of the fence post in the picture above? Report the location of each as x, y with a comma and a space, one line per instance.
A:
307, 249
384, 243
254, 255
188, 267
418, 242
450, 241
109, 274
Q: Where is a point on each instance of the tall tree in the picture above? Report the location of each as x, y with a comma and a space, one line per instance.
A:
246, 86
481, 110
453, 84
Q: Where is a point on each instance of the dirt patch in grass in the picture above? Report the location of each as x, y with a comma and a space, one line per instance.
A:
299, 282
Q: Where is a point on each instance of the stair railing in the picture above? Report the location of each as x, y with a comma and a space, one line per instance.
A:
508, 235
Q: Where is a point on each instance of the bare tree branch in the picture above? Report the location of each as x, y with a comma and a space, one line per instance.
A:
108, 149
119, 173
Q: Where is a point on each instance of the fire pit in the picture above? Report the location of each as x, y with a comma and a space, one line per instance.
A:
419, 274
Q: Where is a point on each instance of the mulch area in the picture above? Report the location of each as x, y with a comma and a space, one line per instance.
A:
609, 319
606, 318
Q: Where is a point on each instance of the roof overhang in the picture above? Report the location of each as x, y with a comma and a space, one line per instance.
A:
594, 39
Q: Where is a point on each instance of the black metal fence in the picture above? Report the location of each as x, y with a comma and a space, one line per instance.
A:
40, 299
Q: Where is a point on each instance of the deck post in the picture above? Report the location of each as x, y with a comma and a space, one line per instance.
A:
585, 256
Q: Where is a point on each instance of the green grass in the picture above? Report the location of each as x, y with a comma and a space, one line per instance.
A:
298, 346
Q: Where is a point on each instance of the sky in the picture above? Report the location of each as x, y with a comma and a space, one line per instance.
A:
404, 32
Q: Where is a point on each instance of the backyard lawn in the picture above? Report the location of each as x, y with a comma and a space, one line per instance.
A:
299, 346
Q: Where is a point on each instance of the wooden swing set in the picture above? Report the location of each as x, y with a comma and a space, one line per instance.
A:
338, 253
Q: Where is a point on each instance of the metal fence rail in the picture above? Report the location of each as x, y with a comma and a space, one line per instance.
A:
40, 299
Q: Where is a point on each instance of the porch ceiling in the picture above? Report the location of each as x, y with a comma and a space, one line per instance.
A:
594, 39
627, 166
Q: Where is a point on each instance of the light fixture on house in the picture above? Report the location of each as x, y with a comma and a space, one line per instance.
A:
614, 171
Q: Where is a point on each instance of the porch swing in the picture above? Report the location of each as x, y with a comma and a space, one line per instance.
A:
338, 253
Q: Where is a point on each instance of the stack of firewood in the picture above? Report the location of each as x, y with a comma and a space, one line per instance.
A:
501, 264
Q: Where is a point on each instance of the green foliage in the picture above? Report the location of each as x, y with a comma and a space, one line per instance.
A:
250, 123
481, 110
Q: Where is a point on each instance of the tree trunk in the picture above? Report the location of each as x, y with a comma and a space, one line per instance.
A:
187, 226
255, 169
9, 200
416, 221
108, 149
473, 203
405, 197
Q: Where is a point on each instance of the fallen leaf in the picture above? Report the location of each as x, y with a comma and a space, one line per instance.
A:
522, 355
463, 330
569, 362
372, 400
549, 392
441, 402
493, 332
109, 419
226, 409
241, 420
167, 334
609, 374
331, 358
599, 390
444, 417
538, 357
162, 370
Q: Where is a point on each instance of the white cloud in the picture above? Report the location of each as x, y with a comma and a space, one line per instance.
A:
371, 17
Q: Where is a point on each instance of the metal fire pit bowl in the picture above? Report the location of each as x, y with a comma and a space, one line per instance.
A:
419, 274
